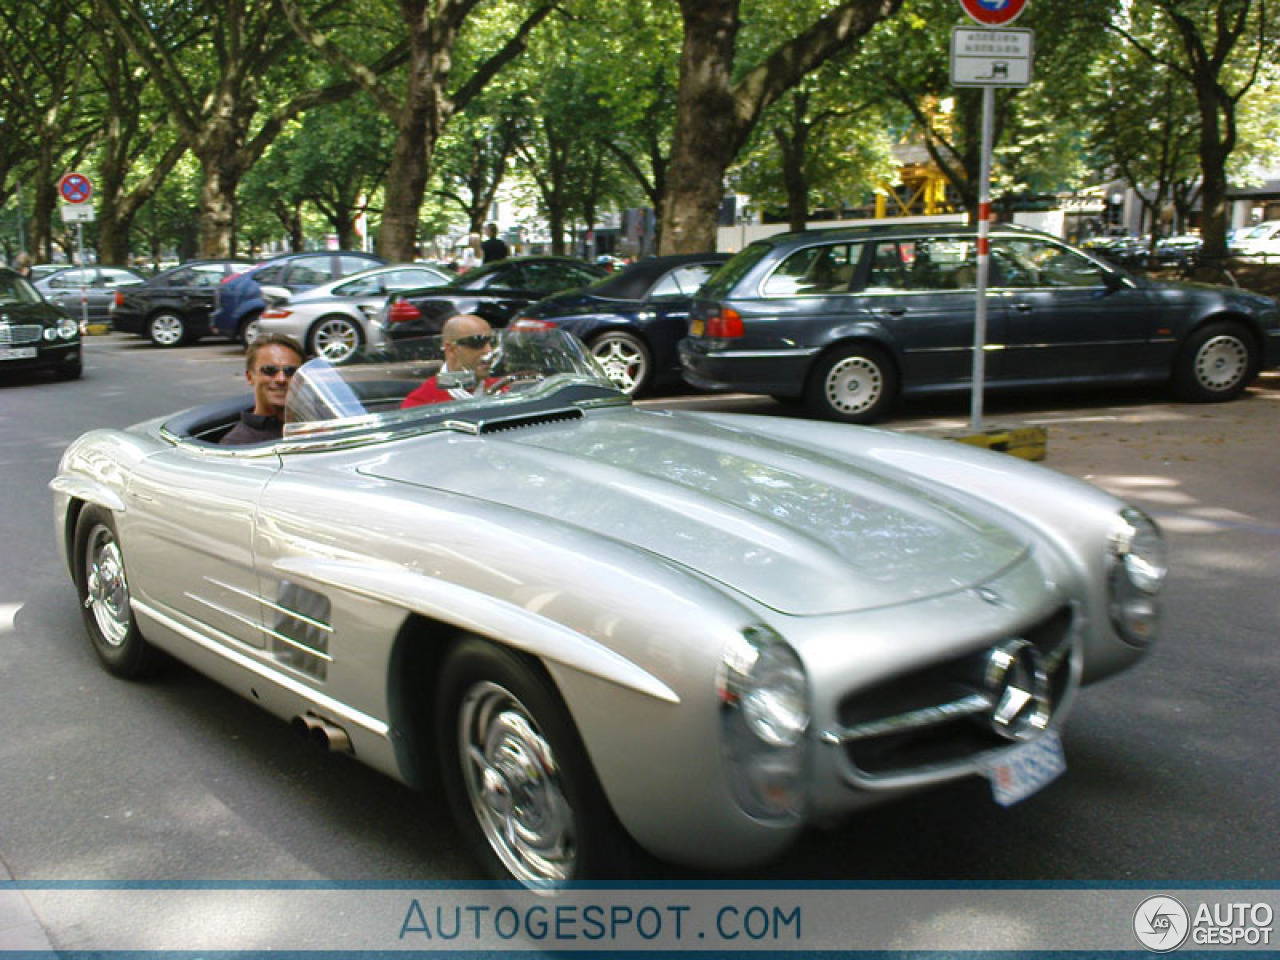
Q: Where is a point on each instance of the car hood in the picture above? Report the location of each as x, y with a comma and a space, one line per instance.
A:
798, 530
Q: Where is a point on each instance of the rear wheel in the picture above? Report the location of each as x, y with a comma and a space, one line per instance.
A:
625, 359
104, 597
853, 384
336, 338
1216, 363
516, 773
167, 329
247, 332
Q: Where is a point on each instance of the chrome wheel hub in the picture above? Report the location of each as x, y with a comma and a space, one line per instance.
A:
166, 330
107, 591
1221, 363
514, 786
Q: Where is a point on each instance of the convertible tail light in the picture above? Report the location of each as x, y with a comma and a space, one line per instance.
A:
725, 323
402, 311
276, 314
533, 323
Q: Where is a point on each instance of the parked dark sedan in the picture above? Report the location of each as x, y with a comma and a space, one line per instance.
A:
632, 320
495, 291
850, 319
34, 333
87, 292
174, 307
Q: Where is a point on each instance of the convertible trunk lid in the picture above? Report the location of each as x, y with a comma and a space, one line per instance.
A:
801, 532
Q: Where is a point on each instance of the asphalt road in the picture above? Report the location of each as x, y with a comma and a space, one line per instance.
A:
1172, 766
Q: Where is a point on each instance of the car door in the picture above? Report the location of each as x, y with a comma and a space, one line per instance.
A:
923, 293
188, 530
197, 289
1069, 317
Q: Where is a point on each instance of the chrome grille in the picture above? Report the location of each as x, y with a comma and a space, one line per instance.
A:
941, 715
11, 335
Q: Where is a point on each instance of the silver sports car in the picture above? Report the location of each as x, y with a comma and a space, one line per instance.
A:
592, 622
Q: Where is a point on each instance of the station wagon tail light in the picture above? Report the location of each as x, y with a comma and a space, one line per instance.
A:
725, 323
1137, 566
402, 311
763, 693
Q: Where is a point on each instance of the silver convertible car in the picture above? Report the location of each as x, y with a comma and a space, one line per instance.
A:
598, 625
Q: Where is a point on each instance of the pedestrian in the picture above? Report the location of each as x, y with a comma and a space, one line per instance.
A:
495, 248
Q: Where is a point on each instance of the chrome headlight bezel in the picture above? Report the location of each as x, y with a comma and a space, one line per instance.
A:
68, 328
765, 711
1137, 562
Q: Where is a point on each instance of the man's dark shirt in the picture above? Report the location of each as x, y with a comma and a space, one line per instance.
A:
253, 428
495, 248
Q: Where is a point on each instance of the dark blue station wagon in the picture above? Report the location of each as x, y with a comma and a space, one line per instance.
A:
851, 319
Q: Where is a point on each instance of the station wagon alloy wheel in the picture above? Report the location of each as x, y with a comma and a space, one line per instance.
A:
1221, 363
514, 785
853, 384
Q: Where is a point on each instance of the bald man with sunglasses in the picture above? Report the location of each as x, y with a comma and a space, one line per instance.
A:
269, 366
469, 343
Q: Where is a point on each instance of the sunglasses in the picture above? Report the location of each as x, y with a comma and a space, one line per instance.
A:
477, 341
270, 370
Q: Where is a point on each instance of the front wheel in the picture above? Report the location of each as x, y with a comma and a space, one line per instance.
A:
852, 384
167, 329
335, 338
1216, 363
104, 597
516, 773
625, 359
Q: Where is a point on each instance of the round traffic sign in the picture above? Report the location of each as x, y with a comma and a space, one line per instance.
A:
75, 188
994, 13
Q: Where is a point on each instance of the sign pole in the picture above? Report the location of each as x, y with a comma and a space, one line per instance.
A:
84, 294
984, 259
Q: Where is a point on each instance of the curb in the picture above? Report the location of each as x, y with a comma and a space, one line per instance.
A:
1029, 443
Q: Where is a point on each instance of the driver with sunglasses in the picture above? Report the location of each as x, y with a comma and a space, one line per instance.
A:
269, 366
469, 343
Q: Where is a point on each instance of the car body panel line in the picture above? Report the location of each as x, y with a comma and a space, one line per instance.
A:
477, 612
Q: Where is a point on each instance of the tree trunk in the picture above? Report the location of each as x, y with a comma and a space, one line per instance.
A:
407, 176
706, 136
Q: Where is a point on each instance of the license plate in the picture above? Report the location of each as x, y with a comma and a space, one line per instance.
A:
696, 327
17, 353
1026, 768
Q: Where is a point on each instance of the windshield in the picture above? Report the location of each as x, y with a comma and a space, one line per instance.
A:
519, 374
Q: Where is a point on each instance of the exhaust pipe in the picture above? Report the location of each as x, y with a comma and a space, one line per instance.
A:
328, 735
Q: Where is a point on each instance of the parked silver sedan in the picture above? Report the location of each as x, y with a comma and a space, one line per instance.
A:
588, 621
334, 320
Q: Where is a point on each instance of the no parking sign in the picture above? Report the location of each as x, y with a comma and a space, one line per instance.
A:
75, 188
994, 13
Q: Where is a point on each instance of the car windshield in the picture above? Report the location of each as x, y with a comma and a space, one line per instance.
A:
14, 290
529, 373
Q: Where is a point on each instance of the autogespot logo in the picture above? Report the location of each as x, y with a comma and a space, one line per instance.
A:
1161, 924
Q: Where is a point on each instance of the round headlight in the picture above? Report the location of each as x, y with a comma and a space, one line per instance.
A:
1138, 563
764, 697
68, 328
1140, 545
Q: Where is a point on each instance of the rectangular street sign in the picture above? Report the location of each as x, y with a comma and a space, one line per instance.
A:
77, 212
991, 58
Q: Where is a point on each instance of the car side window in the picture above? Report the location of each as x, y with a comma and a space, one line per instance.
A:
1032, 262
270, 275
349, 264
310, 271
74, 278
822, 269
929, 264
682, 281
362, 287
